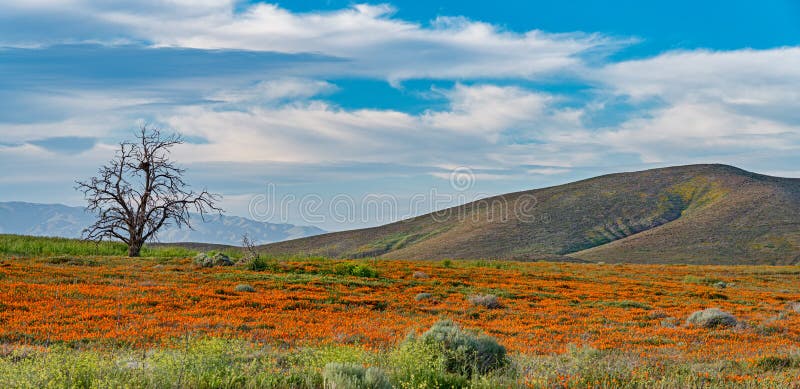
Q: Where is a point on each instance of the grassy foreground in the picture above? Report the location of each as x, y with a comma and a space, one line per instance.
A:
87, 320
219, 363
44, 246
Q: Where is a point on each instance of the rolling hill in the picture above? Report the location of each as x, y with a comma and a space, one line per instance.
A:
685, 214
68, 222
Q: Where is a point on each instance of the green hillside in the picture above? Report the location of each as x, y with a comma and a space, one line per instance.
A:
685, 214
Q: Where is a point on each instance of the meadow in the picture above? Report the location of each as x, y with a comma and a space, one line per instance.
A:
74, 317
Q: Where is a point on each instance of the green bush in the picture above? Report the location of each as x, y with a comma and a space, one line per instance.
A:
416, 364
258, 263
357, 270
364, 271
463, 353
353, 376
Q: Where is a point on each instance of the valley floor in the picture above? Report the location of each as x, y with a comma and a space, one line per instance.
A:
571, 325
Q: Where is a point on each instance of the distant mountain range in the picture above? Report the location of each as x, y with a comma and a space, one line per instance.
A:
696, 214
65, 221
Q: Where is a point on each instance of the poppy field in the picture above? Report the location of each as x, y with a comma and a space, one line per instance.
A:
562, 324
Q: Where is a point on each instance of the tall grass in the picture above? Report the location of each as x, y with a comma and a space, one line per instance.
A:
31, 246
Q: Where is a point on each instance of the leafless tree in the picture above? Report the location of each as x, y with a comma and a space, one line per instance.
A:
140, 191
249, 250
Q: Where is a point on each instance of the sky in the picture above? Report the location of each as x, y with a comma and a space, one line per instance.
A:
331, 112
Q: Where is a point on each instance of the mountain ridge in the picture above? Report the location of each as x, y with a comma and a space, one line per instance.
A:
708, 213
18, 217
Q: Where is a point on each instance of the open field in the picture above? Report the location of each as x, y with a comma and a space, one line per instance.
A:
561, 323
21, 245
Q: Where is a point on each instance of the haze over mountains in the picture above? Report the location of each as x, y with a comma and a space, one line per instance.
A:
685, 214
64, 221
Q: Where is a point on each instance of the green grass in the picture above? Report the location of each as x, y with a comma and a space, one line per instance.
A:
229, 363
33, 246
692, 279
354, 269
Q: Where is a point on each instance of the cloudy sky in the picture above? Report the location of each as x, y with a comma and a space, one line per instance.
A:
332, 98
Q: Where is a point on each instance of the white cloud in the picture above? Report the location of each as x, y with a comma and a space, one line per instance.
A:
713, 104
757, 83
488, 110
473, 128
314, 132
368, 38
685, 131
376, 44
275, 90
547, 171
734, 77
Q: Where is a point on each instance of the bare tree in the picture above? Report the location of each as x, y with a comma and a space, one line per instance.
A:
140, 191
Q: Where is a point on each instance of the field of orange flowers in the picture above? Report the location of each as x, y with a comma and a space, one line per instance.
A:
545, 306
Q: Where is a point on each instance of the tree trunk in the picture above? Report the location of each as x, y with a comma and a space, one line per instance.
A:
134, 248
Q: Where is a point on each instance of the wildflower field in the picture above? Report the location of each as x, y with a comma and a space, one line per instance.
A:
98, 321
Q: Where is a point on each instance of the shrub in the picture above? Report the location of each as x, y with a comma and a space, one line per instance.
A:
364, 271
258, 264
485, 300
711, 318
252, 259
447, 263
463, 353
419, 274
353, 376
352, 269
212, 259
422, 296
203, 260
221, 259
244, 288
416, 364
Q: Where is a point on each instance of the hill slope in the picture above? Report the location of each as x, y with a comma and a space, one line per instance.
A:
685, 214
68, 222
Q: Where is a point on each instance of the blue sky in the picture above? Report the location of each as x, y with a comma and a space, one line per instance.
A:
324, 99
